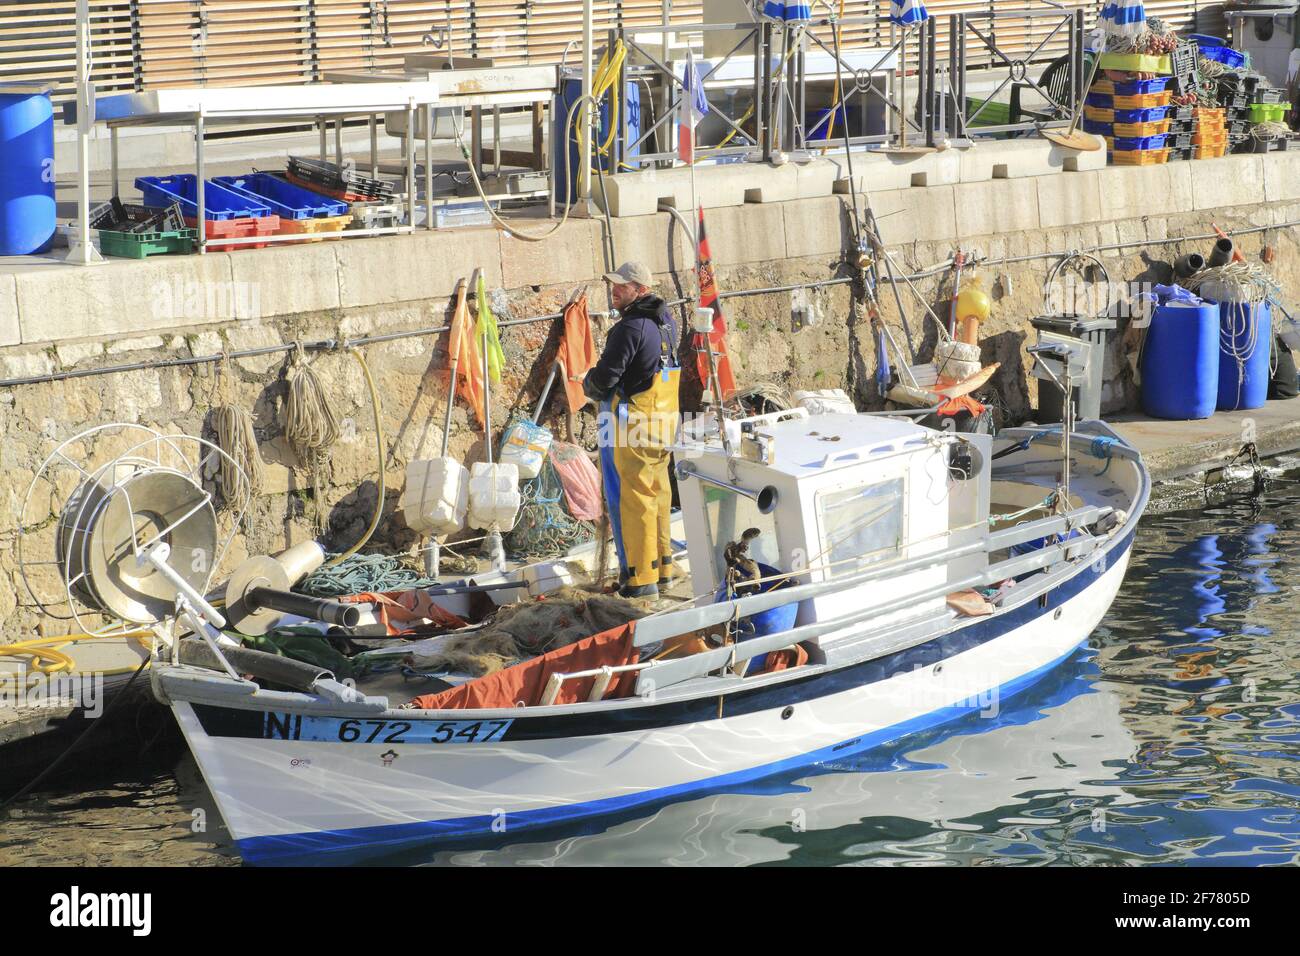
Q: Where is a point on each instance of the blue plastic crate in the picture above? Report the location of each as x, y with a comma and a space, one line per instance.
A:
1128, 143
285, 199
219, 203
1223, 54
1157, 84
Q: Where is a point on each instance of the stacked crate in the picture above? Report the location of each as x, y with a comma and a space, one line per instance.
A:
1267, 105
1133, 116
1209, 132
1234, 100
1182, 125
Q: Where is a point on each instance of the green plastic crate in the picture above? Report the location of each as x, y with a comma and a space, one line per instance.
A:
138, 245
1267, 112
994, 114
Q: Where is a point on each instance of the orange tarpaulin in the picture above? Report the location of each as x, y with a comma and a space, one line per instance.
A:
465, 356
523, 684
577, 351
400, 611
951, 406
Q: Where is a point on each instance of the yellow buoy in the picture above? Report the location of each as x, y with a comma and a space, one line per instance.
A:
972, 309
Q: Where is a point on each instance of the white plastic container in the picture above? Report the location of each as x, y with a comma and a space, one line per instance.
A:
547, 576
525, 446
436, 496
824, 401
493, 496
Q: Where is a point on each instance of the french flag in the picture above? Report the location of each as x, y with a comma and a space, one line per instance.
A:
691, 108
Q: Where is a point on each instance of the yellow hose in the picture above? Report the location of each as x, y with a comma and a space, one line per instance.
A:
379, 451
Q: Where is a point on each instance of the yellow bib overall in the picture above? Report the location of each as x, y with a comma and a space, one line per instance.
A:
635, 436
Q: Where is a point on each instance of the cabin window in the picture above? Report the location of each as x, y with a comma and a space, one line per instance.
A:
729, 515
860, 525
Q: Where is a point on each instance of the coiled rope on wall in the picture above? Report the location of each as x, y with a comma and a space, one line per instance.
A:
240, 470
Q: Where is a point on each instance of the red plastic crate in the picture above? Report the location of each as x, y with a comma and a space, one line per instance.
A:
326, 191
237, 229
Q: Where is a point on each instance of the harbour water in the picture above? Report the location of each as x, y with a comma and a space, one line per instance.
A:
1172, 737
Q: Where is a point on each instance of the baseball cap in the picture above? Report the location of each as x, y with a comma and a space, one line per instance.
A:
631, 271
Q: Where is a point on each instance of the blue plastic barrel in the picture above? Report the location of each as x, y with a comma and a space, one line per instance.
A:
771, 621
1245, 344
1180, 362
570, 91
26, 173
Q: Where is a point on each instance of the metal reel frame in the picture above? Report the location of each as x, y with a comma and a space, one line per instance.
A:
150, 451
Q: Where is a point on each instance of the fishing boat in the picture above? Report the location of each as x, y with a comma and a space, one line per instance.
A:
893, 577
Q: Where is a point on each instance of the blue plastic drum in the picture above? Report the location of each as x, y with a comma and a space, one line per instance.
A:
772, 621
27, 173
1180, 362
1245, 347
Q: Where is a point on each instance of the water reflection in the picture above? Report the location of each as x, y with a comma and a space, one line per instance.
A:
1171, 739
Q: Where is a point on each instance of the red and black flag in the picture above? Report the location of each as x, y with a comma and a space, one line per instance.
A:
717, 338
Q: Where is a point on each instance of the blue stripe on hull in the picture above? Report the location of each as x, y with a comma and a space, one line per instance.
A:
333, 846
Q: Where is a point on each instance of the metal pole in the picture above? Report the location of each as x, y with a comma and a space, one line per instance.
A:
763, 83
408, 151
199, 190
112, 153
374, 147
585, 111
428, 166
85, 253
954, 61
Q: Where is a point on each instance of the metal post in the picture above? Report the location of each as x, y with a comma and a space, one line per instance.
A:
338, 140
496, 141
760, 84
428, 166
112, 154
766, 107
960, 108
801, 101
585, 112
200, 183
374, 146
954, 64
84, 253
408, 154
931, 104
324, 145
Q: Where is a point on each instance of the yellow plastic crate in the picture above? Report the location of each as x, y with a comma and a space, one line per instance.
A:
309, 226
1135, 63
1153, 128
1136, 101
1210, 152
1139, 157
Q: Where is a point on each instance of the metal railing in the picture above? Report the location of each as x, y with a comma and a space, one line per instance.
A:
1014, 67
915, 96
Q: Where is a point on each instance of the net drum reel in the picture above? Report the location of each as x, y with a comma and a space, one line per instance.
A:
135, 534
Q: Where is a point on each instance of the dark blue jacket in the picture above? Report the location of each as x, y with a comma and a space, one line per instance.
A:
635, 350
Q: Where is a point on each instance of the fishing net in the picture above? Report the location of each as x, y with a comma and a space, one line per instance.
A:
544, 528
377, 573
526, 629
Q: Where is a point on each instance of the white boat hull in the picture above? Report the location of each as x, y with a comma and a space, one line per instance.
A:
285, 796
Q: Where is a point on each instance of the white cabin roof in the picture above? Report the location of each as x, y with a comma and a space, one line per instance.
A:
830, 441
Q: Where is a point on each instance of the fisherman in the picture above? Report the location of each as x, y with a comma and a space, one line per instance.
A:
635, 385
